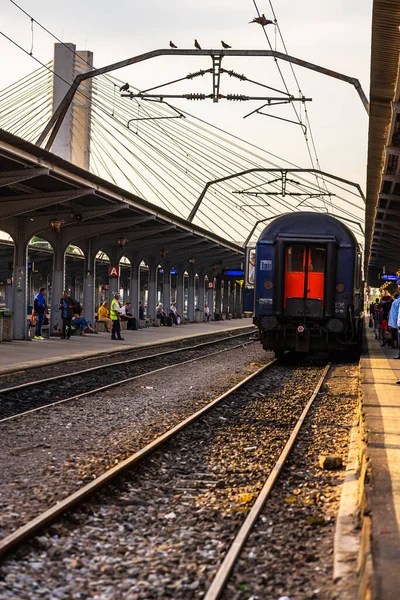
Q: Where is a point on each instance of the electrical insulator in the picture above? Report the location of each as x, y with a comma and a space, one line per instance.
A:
195, 96
236, 97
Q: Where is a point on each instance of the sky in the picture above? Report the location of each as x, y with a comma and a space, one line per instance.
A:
334, 34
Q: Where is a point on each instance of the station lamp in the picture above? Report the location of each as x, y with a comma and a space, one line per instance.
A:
122, 241
163, 252
56, 224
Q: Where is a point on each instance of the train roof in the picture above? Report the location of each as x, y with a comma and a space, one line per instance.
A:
308, 225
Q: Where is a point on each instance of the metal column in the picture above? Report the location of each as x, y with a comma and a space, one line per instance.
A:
134, 289
201, 292
180, 304
190, 308
20, 281
57, 286
89, 284
151, 299
166, 293
218, 296
210, 302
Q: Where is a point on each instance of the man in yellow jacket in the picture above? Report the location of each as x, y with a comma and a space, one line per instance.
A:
114, 316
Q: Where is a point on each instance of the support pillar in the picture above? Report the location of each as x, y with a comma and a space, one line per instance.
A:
218, 296
180, 302
151, 299
190, 308
20, 282
201, 292
89, 281
57, 286
231, 297
113, 282
166, 294
238, 302
134, 288
210, 300
225, 298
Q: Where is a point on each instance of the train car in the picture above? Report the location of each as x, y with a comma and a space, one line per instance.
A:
307, 285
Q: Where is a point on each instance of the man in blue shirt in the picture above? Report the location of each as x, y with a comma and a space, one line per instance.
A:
394, 318
39, 306
67, 309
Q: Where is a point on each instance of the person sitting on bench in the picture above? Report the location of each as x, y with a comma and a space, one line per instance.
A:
104, 316
161, 314
79, 320
126, 315
173, 312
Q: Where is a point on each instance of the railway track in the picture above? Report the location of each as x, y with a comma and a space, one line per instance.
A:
226, 419
19, 400
68, 365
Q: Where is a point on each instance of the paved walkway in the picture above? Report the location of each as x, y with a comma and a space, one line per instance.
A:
18, 355
381, 401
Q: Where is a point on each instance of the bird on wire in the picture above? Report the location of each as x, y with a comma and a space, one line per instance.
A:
124, 88
262, 20
226, 46
172, 45
197, 45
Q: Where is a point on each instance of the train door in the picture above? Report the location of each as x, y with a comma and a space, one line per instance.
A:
304, 279
249, 280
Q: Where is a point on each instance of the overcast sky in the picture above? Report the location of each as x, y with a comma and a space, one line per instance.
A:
334, 34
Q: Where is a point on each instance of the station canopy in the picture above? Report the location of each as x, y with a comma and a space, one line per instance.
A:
382, 224
41, 187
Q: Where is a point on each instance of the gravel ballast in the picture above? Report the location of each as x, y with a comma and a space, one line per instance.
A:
45, 456
162, 532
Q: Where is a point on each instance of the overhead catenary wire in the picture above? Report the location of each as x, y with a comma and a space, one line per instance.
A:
299, 90
159, 154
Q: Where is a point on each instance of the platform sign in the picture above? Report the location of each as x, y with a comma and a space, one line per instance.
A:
114, 271
390, 277
233, 272
210, 285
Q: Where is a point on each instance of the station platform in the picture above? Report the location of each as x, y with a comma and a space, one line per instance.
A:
19, 355
381, 405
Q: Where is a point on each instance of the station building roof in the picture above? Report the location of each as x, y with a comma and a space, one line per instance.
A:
382, 222
38, 185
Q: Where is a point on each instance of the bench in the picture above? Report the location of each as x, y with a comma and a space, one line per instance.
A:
101, 327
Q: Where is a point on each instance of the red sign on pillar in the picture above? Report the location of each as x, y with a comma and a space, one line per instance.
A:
210, 285
114, 271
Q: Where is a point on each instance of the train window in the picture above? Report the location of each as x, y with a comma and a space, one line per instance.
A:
295, 259
252, 265
317, 260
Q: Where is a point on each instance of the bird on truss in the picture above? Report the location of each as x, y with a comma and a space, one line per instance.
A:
262, 20
124, 88
197, 45
226, 46
172, 45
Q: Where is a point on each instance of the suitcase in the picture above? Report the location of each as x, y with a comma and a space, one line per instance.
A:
169, 321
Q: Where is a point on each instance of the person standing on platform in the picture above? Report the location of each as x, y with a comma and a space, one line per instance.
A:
173, 312
141, 312
114, 315
67, 308
393, 320
206, 312
40, 307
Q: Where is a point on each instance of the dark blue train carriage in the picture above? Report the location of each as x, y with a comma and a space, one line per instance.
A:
308, 292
